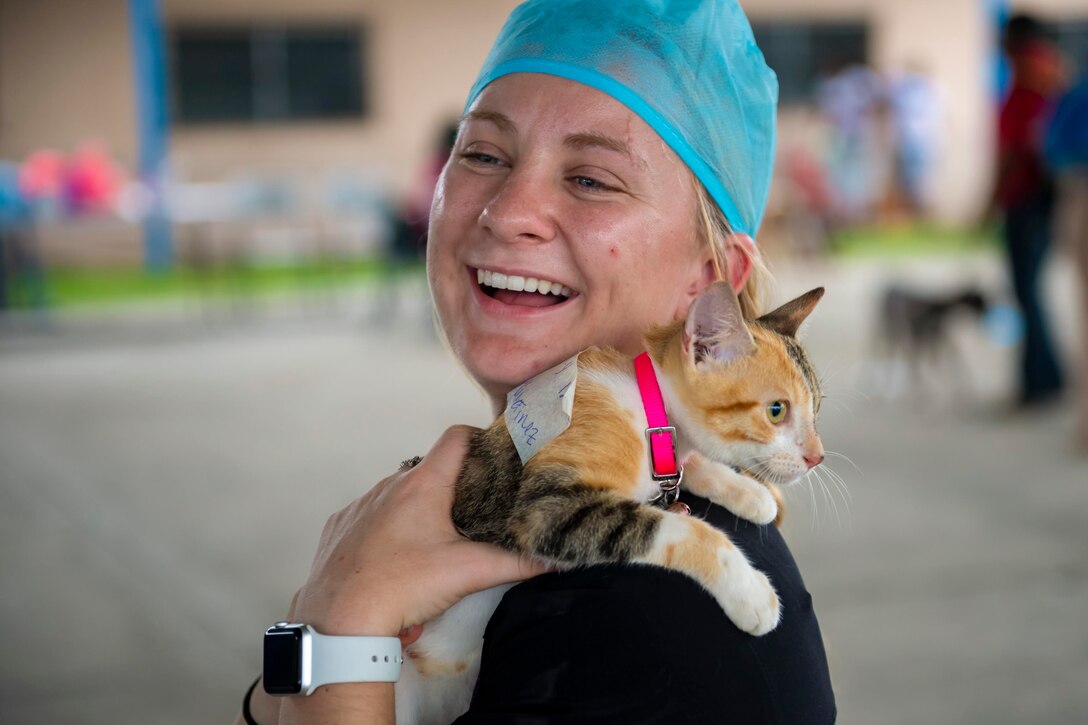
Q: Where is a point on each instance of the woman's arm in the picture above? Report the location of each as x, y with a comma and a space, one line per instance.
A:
387, 562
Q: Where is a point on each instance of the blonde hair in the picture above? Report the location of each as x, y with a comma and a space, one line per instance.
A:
716, 232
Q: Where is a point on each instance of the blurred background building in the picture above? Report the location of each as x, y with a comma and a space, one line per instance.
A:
316, 110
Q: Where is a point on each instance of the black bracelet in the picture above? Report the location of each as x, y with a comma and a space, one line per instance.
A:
246, 714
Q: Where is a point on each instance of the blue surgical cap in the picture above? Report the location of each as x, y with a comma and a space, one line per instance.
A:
689, 68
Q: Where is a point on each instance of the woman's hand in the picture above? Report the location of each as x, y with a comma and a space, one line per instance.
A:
392, 558
385, 564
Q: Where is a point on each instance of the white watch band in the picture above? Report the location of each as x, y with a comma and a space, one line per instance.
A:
328, 659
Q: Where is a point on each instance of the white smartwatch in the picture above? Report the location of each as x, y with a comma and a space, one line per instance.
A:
298, 659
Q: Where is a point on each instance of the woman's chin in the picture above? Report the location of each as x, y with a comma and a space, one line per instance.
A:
500, 365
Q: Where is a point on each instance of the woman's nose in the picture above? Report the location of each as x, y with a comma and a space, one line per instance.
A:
521, 210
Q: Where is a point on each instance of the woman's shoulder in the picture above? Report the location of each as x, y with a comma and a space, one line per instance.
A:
640, 644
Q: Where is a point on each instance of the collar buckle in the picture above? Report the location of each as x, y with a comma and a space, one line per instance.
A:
668, 482
670, 431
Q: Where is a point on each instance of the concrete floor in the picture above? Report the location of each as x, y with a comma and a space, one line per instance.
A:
163, 484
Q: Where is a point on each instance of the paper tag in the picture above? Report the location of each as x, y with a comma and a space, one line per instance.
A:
539, 409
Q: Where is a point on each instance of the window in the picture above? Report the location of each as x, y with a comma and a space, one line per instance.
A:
256, 74
801, 52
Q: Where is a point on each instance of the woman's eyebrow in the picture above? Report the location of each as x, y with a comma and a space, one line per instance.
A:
599, 140
502, 121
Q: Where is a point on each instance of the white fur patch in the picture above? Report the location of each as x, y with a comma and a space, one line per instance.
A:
440, 668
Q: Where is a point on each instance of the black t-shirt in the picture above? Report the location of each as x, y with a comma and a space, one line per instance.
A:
641, 644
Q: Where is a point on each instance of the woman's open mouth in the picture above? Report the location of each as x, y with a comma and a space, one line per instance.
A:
516, 290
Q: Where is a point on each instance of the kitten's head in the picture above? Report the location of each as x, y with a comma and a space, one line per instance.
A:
750, 394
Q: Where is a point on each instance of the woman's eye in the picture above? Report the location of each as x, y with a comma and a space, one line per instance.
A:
590, 184
776, 411
481, 158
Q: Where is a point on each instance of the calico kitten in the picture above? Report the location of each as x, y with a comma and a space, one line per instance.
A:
742, 396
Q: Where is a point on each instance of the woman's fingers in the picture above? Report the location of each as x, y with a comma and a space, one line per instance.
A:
443, 462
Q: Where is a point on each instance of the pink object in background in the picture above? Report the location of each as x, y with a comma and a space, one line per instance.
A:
41, 176
93, 180
87, 182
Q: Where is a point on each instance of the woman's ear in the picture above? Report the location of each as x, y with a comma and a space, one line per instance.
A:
705, 275
739, 252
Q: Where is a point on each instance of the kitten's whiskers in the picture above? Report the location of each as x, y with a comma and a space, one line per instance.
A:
829, 499
844, 457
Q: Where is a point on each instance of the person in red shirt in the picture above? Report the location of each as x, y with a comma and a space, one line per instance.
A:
1024, 192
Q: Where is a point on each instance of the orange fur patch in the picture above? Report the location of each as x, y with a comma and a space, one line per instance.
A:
740, 407
601, 443
428, 667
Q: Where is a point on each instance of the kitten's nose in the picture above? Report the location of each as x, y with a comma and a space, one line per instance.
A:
814, 461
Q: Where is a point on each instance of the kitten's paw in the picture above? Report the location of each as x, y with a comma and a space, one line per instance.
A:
756, 504
749, 601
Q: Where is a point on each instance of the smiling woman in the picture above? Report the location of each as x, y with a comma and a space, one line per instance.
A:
612, 162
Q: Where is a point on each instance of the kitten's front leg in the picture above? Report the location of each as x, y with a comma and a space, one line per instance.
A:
743, 496
706, 554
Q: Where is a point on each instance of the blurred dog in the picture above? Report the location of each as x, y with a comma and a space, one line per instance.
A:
915, 335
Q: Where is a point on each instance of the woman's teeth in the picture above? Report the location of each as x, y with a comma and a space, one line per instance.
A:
515, 283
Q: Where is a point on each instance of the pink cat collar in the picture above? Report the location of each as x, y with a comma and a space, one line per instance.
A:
660, 436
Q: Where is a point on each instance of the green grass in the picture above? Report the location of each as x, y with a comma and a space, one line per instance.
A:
72, 288
912, 240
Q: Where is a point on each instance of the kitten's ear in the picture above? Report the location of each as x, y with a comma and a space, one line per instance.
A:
715, 329
787, 318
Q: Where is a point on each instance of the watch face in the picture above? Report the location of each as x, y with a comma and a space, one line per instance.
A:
283, 661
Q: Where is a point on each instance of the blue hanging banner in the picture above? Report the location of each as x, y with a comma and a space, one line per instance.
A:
152, 109
997, 14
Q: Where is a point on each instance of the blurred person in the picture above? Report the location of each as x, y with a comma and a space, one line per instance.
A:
581, 160
1023, 190
915, 105
407, 241
850, 99
1067, 153
410, 235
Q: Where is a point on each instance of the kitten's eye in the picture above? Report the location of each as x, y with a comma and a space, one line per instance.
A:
776, 411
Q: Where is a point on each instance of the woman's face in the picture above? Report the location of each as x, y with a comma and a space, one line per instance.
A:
555, 184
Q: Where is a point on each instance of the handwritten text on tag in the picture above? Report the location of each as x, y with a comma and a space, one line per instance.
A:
540, 408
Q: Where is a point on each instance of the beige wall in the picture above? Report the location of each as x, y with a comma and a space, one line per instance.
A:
66, 76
